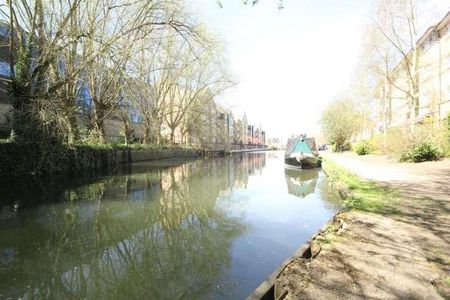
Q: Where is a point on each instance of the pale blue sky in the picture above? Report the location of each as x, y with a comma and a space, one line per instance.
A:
289, 63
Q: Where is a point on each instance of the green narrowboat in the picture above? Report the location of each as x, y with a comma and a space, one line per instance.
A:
301, 153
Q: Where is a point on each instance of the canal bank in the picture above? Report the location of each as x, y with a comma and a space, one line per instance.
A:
393, 241
34, 160
38, 160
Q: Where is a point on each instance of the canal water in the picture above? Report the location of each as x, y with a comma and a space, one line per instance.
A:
204, 229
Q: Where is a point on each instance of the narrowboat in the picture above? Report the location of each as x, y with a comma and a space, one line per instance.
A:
301, 153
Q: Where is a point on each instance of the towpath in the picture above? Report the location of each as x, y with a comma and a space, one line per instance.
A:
403, 255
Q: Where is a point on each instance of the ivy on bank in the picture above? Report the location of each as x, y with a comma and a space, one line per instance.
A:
21, 159
37, 159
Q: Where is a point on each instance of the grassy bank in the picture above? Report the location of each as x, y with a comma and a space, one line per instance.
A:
361, 194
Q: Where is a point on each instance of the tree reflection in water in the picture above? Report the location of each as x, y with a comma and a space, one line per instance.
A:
155, 233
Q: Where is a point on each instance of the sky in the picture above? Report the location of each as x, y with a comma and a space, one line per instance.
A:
288, 63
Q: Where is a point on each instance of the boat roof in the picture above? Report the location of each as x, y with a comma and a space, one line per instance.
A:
300, 144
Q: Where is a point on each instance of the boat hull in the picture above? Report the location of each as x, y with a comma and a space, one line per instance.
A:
305, 163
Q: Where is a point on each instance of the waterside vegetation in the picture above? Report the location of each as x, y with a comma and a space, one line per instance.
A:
361, 194
35, 160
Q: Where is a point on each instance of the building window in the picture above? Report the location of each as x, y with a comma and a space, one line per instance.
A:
136, 116
5, 69
62, 69
4, 31
84, 99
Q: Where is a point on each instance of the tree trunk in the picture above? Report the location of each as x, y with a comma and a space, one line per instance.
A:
145, 139
158, 133
99, 126
172, 135
126, 130
385, 112
73, 135
414, 86
146, 132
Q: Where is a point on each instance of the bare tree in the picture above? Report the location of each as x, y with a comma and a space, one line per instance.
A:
202, 77
37, 36
106, 75
198, 121
59, 47
156, 66
396, 22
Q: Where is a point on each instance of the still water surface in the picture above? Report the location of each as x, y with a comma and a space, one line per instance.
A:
205, 229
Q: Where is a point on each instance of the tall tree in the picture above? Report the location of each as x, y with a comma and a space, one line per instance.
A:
202, 77
37, 35
340, 121
397, 23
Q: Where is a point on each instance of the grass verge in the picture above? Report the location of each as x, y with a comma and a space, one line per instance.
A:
362, 194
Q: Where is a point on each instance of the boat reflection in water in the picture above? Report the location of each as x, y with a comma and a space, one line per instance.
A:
301, 182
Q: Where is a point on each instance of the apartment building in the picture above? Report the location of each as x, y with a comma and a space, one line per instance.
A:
434, 71
220, 127
433, 81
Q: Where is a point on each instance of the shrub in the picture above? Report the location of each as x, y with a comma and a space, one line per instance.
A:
446, 136
341, 148
425, 151
447, 126
399, 140
363, 148
395, 141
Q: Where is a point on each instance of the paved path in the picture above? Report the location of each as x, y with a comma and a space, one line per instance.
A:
401, 256
431, 176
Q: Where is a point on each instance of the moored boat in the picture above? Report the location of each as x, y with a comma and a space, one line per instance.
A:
301, 152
